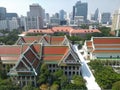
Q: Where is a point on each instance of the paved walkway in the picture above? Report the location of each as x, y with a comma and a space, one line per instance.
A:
91, 84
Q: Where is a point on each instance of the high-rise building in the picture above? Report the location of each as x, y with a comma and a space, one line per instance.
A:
62, 15
11, 15
2, 13
35, 17
106, 18
47, 18
116, 21
80, 9
96, 15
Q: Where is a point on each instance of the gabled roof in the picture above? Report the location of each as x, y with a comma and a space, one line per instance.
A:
28, 61
54, 53
106, 44
41, 31
54, 40
84, 31
89, 43
29, 39
58, 50
106, 51
10, 49
106, 40
62, 29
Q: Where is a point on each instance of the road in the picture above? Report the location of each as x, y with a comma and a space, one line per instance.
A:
91, 84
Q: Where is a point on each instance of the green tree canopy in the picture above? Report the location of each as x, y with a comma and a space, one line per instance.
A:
116, 86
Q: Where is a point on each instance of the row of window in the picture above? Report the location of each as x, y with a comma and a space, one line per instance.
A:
68, 72
64, 67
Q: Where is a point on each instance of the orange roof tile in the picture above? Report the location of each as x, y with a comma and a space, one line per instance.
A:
106, 40
62, 29
54, 39
106, 51
36, 48
52, 58
42, 31
85, 31
55, 49
29, 55
7, 49
89, 43
107, 46
30, 39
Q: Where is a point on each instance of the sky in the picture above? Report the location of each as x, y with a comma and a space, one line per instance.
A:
52, 6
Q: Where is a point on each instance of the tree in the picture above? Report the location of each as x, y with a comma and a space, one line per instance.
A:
103, 74
44, 74
78, 80
116, 86
44, 87
63, 80
28, 87
54, 87
7, 84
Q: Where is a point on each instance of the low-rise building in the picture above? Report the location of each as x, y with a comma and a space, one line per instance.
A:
63, 29
103, 48
30, 52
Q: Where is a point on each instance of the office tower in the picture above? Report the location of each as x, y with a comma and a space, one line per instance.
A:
106, 18
11, 15
47, 18
116, 21
80, 9
35, 17
56, 15
73, 13
62, 15
2, 13
96, 15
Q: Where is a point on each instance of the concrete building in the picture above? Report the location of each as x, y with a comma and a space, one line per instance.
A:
106, 18
9, 24
63, 29
102, 48
13, 23
30, 52
62, 15
80, 9
78, 20
116, 21
9, 16
2, 13
35, 17
4, 25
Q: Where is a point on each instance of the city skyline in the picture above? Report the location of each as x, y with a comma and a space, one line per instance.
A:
22, 7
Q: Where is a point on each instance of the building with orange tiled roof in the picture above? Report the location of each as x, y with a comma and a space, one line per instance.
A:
45, 39
102, 48
62, 29
25, 58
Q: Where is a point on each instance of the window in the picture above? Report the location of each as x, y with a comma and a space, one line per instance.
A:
110, 56
73, 67
53, 70
65, 72
69, 67
53, 65
49, 65
69, 73
117, 56
61, 67
73, 72
66, 68
77, 73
